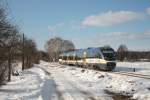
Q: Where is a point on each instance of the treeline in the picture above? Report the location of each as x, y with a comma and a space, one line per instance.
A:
57, 45
14, 46
123, 54
138, 56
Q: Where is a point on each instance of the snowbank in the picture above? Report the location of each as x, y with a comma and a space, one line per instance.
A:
27, 86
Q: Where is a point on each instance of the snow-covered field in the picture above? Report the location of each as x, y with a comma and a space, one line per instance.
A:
52, 81
140, 67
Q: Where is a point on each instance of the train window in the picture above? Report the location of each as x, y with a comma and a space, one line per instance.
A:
89, 53
97, 53
61, 56
98, 56
65, 57
71, 57
68, 56
79, 54
76, 57
93, 53
109, 54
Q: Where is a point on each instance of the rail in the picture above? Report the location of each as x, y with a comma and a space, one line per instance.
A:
133, 74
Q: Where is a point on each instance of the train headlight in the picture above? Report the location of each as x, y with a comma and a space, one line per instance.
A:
102, 61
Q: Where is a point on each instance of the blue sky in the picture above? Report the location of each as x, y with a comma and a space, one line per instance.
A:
87, 23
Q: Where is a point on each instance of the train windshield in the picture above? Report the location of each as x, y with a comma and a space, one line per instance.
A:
109, 55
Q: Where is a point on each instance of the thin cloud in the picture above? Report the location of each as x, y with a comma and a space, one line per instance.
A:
53, 30
111, 18
148, 11
114, 39
122, 36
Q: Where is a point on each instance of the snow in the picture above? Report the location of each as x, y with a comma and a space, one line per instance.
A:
23, 87
140, 67
52, 81
96, 81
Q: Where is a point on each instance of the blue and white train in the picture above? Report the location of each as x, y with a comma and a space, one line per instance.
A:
102, 58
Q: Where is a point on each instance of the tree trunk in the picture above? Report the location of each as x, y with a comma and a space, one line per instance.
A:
23, 53
9, 66
27, 61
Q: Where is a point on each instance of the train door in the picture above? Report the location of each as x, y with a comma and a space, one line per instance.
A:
84, 58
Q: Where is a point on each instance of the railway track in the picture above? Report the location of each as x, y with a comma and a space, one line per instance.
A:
132, 74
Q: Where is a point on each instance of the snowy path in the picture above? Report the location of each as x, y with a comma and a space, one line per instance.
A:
71, 88
49, 90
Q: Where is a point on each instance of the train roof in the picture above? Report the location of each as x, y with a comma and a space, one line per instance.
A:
106, 48
89, 48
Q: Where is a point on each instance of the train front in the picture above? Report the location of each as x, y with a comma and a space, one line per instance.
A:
109, 58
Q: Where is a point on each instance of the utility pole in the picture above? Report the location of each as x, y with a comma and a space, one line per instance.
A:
23, 51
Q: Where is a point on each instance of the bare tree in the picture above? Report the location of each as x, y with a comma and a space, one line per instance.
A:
122, 52
3, 58
30, 53
9, 42
57, 45
67, 45
11, 45
44, 55
9, 39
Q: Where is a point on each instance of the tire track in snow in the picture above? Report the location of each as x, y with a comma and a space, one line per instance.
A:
88, 95
58, 93
72, 92
79, 93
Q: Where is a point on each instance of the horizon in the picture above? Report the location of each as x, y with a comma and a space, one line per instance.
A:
86, 24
